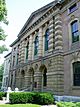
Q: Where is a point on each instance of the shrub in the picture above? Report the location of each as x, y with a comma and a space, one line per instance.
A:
31, 97
66, 104
2, 94
19, 97
43, 98
78, 104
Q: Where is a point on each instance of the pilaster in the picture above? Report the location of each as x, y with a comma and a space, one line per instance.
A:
51, 26
30, 48
58, 32
40, 48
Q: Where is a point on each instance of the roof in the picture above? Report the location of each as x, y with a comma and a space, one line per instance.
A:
44, 8
34, 13
7, 55
14, 42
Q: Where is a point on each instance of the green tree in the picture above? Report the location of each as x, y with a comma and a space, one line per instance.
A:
3, 19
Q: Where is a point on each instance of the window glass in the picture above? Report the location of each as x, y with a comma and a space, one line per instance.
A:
76, 73
46, 39
72, 8
27, 49
36, 45
74, 30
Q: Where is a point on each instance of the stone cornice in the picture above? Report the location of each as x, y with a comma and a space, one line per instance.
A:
46, 14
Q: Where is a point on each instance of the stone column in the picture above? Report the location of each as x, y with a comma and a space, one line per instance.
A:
40, 48
30, 48
51, 26
58, 32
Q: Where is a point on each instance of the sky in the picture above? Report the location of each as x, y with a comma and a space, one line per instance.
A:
18, 13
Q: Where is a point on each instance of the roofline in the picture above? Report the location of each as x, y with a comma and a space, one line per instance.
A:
33, 13
14, 42
7, 55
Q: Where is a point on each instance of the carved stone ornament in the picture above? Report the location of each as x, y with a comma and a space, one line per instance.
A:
75, 55
72, 17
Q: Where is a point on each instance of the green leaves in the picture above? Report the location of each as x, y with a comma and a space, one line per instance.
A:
2, 34
3, 11
3, 19
3, 48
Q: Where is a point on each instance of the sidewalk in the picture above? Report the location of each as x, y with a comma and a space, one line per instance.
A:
3, 102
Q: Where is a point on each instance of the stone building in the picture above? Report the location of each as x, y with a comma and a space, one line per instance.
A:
46, 53
7, 64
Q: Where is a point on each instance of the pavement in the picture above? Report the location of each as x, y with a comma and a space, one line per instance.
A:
3, 102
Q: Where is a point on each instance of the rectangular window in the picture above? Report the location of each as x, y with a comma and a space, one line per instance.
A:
26, 52
17, 60
74, 30
13, 60
72, 8
76, 73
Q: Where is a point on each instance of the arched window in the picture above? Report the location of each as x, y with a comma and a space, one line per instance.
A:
46, 39
76, 73
36, 45
45, 77
27, 49
74, 31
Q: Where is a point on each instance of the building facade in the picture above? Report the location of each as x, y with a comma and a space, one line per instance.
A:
46, 54
7, 64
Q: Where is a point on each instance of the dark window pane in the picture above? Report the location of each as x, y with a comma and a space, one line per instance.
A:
46, 39
72, 8
36, 45
27, 49
76, 74
44, 78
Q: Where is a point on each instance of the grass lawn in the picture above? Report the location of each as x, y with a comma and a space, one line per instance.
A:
19, 105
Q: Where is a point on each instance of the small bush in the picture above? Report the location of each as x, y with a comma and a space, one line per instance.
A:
17, 98
66, 104
2, 94
43, 98
31, 97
